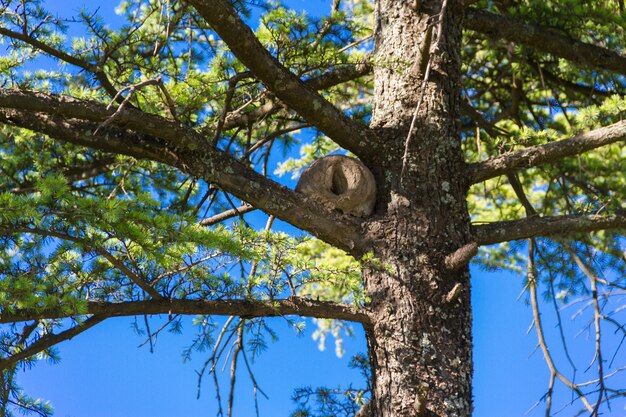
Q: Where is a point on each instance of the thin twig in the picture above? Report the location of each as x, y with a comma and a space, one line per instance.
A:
356, 43
149, 331
212, 358
532, 289
230, 201
597, 315
232, 87
152, 336
557, 312
119, 110
131, 92
130, 274
228, 214
233, 367
171, 105
275, 135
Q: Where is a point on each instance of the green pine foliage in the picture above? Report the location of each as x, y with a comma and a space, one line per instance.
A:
74, 222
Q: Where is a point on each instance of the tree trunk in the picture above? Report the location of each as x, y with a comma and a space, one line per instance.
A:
420, 344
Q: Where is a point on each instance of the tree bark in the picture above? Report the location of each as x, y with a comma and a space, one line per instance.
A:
420, 342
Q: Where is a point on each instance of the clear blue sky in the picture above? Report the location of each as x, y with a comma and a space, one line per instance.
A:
103, 373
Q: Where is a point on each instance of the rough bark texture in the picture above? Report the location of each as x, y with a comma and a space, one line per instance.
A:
497, 232
420, 344
242, 308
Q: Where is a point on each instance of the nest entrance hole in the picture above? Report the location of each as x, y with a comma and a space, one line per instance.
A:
339, 183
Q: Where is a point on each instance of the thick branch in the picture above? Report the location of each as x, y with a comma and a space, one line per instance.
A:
128, 118
498, 232
338, 229
179, 147
280, 81
460, 257
536, 155
242, 308
544, 39
80, 132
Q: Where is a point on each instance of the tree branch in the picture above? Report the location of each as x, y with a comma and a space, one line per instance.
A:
536, 155
80, 132
158, 139
243, 308
48, 341
228, 214
339, 75
544, 39
326, 80
586, 90
128, 118
348, 133
554, 372
498, 232
461, 257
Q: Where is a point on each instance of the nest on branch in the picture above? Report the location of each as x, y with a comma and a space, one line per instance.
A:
341, 183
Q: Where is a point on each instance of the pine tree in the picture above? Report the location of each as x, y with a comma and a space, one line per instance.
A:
482, 123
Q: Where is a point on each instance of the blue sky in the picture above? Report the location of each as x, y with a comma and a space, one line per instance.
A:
104, 373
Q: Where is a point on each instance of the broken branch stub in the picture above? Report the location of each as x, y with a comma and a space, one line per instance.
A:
341, 183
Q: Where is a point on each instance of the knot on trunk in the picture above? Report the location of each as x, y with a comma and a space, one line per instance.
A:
341, 183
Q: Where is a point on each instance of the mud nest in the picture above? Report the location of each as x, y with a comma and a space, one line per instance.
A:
341, 183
